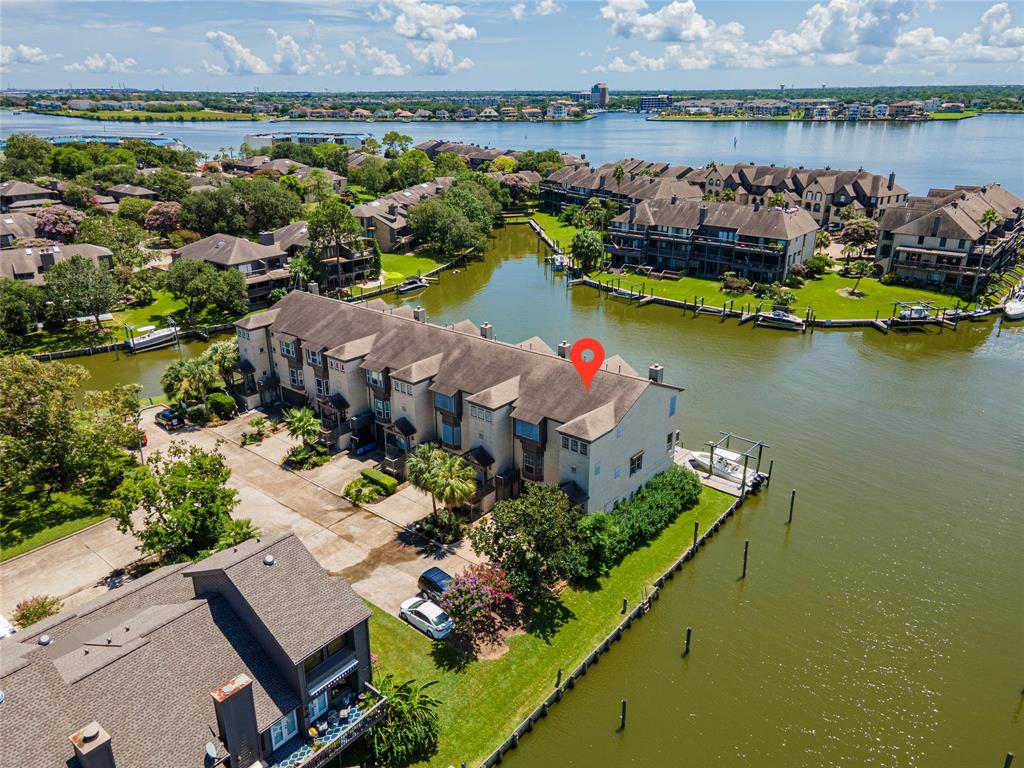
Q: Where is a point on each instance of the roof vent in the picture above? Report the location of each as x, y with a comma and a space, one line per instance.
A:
211, 751
269, 560
91, 732
43, 640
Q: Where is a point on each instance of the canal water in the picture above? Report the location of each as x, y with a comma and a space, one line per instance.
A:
924, 155
146, 368
883, 628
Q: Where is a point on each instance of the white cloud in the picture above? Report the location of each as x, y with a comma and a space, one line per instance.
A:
22, 54
291, 58
518, 11
239, 60
213, 69
183, 70
106, 62
438, 25
540, 8
677, 21
365, 59
157, 30
995, 39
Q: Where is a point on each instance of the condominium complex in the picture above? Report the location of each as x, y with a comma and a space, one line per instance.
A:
382, 376
228, 661
386, 219
943, 238
707, 238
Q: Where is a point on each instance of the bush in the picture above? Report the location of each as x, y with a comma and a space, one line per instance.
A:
794, 281
197, 414
385, 482
307, 456
731, 283
34, 609
222, 405
362, 491
818, 265
609, 537
182, 237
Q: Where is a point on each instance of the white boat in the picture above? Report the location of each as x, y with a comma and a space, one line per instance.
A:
915, 313
973, 315
412, 284
727, 466
779, 319
150, 337
623, 293
1014, 310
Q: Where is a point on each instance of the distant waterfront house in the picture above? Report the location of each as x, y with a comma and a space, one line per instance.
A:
940, 239
767, 107
488, 113
509, 113
466, 113
421, 114
383, 114
902, 109
81, 105
881, 110
532, 113
233, 658
442, 114
16, 226
515, 412
953, 107
121, 191
264, 265
559, 110
403, 114
386, 219
361, 114
708, 239
30, 263
24, 196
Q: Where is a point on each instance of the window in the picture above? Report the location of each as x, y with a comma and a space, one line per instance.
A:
451, 434
382, 409
242, 333
574, 445
942, 242
287, 349
636, 462
668, 441
313, 357
481, 413
375, 378
960, 245
338, 644
336, 365
444, 402
323, 387
533, 464
318, 706
672, 406
920, 239
295, 374
311, 661
527, 431
283, 730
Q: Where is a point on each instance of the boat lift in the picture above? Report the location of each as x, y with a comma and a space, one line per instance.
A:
757, 446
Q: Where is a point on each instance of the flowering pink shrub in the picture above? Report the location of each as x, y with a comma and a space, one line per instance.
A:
163, 217
474, 596
58, 222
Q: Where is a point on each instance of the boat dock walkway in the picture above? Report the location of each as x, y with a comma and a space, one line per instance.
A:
684, 458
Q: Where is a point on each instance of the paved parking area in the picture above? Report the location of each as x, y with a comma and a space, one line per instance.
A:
372, 549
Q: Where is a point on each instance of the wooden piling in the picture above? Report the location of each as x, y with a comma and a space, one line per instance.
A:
746, 549
558, 678
686, 647
792, 500
625, 605
696, 526
622, 716
1009, 760
768, 480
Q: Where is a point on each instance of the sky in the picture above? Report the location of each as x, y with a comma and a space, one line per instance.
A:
348, 45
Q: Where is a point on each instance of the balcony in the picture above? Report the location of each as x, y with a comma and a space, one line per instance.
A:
933, 267
335, 733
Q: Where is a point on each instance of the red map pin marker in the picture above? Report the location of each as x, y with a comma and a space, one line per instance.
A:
587, 368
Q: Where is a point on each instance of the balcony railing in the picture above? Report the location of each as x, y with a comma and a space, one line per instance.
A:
966, 270
303, 752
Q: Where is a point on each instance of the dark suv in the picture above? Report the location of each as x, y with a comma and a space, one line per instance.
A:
169, 420
433, 583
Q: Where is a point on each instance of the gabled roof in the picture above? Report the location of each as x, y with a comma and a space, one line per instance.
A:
228, 250
15, 188
763, 221
17, 225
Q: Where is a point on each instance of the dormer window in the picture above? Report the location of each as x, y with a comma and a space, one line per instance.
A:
313, 357
375, 378
287, 349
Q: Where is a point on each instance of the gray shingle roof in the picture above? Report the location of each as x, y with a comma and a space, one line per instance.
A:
744, 219
228, 250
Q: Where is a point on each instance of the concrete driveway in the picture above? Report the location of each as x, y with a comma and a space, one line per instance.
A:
373, 549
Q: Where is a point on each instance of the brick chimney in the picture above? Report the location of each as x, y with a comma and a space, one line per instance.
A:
656, 373
703, 215
563, 349
892, 180
236, 720
487, 331
266, 238
92, 747
632, 212
419, 314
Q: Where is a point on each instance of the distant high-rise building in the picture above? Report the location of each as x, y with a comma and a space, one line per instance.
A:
599, 95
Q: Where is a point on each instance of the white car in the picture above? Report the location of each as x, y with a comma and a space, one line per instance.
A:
427, 617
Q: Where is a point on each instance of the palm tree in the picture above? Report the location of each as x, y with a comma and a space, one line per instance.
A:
860, 270
303, 424
618, 175
850, 251
989, 219
237, 531
822, 240
409, 730
454, 480
728, 195
420, 468
190, 379
777, 200
224, 356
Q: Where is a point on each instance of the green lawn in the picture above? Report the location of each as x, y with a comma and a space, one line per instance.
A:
398, 266
820, 295
85, 334
46, 535
484, 700
951, 115
361, 195
560, 233
134, 117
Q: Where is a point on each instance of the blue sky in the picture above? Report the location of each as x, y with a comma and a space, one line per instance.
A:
528, 44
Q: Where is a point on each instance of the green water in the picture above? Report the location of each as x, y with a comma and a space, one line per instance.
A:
883, 628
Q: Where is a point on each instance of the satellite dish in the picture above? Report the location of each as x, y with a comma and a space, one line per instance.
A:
211, 751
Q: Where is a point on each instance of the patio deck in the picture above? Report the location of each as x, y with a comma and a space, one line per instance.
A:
298, 752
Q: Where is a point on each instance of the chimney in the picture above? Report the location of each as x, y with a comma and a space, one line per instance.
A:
632, 212
392, 209
600, 181
487, 331
419, 314
703, 215
675, 199
266, 238
892, 179
236, 720
656, 373
757, 205
313, 288
54, 184
563, 349
92, 747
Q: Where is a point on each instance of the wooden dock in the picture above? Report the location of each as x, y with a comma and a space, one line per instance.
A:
684, 458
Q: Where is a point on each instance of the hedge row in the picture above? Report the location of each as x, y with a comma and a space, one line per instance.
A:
385, 482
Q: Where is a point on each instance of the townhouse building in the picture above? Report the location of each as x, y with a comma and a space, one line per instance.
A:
227, 661
641, 180
16, 226
386, 219
383, 377
30, 263
767, 107
940, 239
707, 239
476, 155
121, 191
24, 196
264, 265
344, 265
